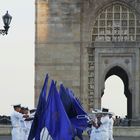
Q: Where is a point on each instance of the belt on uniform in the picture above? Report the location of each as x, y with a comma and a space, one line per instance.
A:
103, 131
97, 131
15, 126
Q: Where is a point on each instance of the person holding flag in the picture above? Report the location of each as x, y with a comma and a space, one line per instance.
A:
36, 126
55, 117
73, 109
51, 121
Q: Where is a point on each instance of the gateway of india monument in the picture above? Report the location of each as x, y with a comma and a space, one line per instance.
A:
83, 42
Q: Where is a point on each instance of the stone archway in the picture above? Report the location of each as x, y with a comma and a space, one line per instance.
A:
108, 29
120, 72
111, 52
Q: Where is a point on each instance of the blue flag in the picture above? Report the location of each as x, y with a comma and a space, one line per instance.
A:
38, 124
76, 103
82, 123
56, 119
79, 124
67, 102
73, 108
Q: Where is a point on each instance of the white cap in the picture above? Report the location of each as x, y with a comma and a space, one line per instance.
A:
97, 111
16, 105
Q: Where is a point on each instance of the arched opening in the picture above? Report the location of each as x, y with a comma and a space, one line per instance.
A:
114, 97
121, 73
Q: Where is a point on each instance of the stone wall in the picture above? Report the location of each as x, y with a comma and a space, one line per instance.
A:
58, 43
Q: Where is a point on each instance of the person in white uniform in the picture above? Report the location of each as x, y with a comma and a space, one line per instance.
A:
32, 114
101, 126
92, 134
22, 125
95, 133
104, 125
16, 116
111, 122
28, 123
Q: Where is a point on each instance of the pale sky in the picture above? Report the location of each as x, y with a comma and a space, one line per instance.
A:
114, 98
17, 55
17, 62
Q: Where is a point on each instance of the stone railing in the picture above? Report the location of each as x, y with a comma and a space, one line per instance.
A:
118, 131
5, 129
132, 131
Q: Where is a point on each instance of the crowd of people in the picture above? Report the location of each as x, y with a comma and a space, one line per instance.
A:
122, 121
101, 127
21, 120
101, 123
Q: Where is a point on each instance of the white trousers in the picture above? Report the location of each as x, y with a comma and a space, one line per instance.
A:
16, 133
27, 134
99, 135
111, 135
104, 135
23, 133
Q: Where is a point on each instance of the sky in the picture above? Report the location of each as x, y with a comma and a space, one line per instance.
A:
114, 98
17, 62
17, 55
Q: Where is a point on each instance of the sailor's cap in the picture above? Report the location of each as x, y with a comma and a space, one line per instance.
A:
97, 111
33, 110
17, 105
105, 110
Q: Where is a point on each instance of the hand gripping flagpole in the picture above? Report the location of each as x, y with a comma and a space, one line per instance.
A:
84, 117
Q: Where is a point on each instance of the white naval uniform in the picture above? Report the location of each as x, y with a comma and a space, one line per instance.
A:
111, 122
28, 127
22, 129
15, 119
92, 134
95, 133
104, 128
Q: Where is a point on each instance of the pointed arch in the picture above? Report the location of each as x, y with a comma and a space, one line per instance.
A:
130, 78
120, 72
114, 97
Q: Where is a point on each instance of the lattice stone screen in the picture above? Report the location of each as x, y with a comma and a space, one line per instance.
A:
116, 23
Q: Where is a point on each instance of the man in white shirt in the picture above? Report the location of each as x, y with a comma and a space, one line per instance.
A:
104, 125
96, 133
23, 128
28, 123
111, 122
16, 116
100, 126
